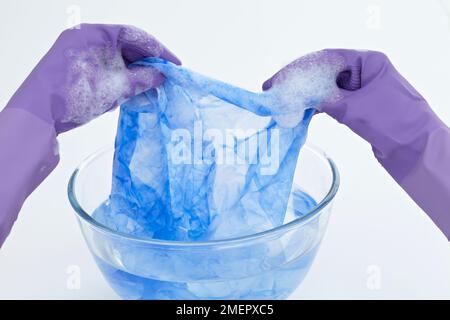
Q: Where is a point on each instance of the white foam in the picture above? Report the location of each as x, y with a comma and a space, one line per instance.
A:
312, 78
138, 38
97, 79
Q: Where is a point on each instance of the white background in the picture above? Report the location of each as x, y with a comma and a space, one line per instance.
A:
379, 243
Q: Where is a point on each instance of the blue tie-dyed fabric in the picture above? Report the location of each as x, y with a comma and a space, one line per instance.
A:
167, 186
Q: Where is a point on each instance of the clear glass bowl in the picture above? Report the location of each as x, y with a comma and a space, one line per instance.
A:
266, 265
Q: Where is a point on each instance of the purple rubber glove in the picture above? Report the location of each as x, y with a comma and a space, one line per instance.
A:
407, 137
83, 75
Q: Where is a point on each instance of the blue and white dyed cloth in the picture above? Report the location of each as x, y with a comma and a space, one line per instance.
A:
198, 159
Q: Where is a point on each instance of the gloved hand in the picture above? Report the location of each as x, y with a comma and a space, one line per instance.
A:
407, 137
83, 75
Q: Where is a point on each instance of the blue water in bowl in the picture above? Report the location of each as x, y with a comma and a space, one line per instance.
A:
274, 283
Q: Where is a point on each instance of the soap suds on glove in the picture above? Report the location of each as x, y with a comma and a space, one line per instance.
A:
97, 77
305, 83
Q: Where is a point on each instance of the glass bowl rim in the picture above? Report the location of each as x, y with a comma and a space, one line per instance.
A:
83, 215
